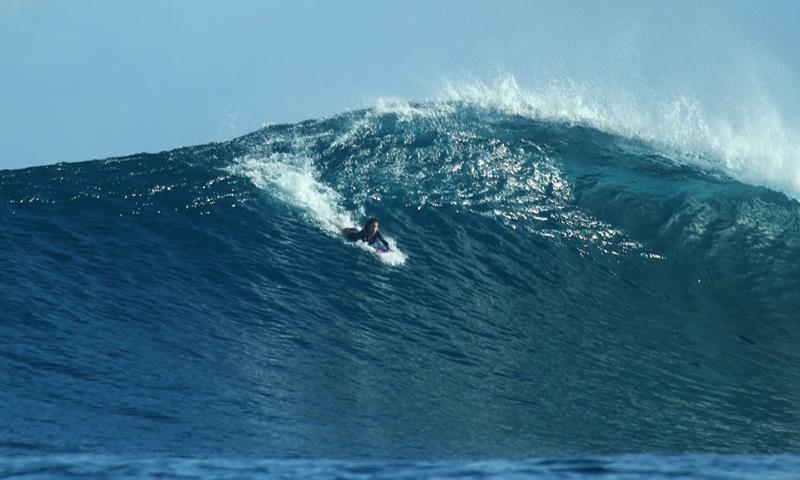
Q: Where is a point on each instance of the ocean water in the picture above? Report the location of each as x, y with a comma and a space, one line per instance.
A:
566, 299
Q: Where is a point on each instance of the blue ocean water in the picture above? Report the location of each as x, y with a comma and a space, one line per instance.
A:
564, 301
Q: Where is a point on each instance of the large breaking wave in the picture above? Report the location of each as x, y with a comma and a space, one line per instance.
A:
568, 279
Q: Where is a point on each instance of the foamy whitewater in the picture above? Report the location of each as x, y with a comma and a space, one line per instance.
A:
579, 289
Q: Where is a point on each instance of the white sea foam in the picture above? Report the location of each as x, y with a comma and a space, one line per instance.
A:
394, 257
294, 180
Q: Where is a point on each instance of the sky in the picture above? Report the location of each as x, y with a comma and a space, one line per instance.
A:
89, 79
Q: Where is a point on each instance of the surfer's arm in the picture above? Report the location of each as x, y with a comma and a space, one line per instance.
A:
351, 234
378, 236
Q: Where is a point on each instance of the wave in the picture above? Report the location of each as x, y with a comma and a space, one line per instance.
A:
560, 287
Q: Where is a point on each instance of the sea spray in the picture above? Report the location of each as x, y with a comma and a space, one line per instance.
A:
751, 140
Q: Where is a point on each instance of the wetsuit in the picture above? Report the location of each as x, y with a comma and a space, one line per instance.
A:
354, 235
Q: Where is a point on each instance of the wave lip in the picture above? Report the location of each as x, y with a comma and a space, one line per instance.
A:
752, 141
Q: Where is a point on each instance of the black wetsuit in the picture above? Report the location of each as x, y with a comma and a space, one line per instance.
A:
354, 235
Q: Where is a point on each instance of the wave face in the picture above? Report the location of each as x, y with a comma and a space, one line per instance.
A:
556, 289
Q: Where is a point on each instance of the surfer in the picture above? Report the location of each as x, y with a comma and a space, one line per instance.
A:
370, 234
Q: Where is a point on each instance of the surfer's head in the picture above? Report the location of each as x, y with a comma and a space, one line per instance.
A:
371, 227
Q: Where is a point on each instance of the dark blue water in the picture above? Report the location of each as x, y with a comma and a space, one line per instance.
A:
557, 291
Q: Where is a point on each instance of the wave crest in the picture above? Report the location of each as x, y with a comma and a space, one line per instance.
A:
750, 141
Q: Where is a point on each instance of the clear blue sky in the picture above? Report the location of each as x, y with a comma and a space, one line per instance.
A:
90, 79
